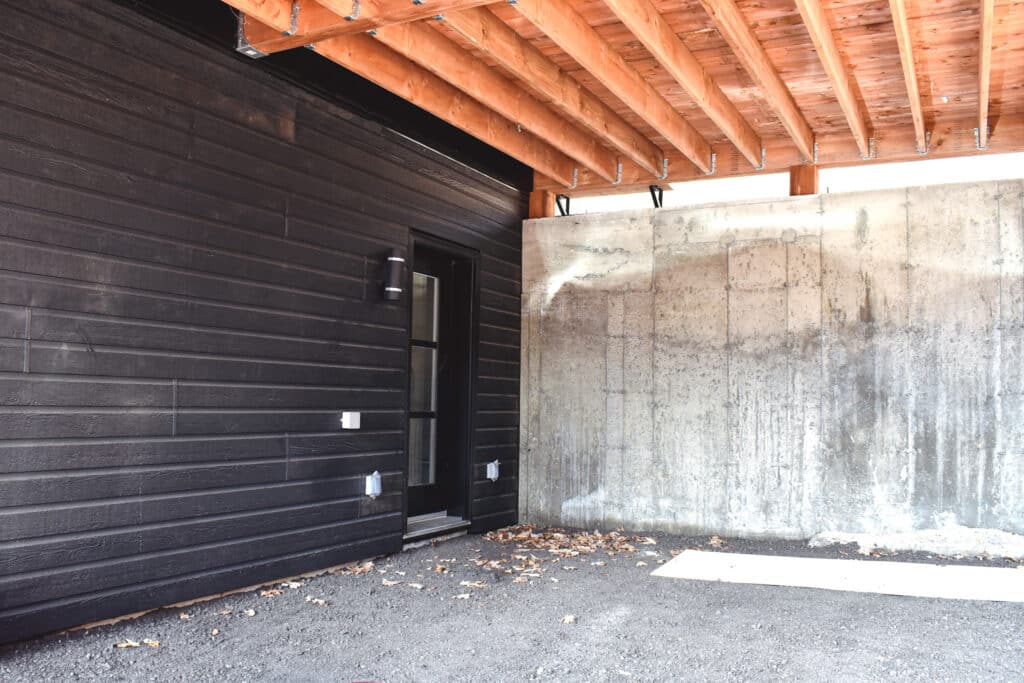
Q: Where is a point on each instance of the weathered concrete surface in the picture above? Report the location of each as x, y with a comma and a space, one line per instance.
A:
842, 362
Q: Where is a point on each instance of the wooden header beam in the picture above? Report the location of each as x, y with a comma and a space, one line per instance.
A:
276, 25
950, 138
375, 62
562, 24
651, 29
825, 44
491, 35
987, 12
423, 45
899, 21
734, 28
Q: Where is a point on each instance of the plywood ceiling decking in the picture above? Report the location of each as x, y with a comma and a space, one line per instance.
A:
659, 79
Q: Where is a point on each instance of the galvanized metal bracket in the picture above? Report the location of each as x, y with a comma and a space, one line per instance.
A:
294, 28
618, 174
764, 160
355, 11
242, 45
927, 144
664, 169
575, 177
814, 159
871, 150
977, 137
714, 160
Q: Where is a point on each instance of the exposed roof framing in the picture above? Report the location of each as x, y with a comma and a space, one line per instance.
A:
820, 31
615, 95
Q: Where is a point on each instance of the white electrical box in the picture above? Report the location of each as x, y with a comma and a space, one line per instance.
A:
493, 470
350, 420
373, 485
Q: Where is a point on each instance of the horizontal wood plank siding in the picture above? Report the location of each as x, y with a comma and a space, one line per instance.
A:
191, 258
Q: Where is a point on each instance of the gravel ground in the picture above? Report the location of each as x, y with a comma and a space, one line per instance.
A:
627, 625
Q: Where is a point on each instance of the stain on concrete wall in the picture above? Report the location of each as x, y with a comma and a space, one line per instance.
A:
841, 362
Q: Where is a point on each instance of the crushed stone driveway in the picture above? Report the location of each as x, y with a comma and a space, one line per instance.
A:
576, 608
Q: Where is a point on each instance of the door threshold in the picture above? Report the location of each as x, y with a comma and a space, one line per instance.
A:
433, 524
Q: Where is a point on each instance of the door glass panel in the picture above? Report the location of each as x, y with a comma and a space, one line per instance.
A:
422, 456
423, 389
424, 307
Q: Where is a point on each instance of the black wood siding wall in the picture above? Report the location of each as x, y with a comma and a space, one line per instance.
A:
190, 268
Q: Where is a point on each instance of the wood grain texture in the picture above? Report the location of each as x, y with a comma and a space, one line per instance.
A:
190, 269
898, 9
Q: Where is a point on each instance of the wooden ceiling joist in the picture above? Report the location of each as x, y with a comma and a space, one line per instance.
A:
735, 30
820, 32
985, 70
579, 40
491, 35
277, 25
377, 63
425, 46
650, 28
898, 10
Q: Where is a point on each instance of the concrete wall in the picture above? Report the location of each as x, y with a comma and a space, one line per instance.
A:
841, 362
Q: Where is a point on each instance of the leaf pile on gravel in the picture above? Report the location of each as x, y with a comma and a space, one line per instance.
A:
568, 543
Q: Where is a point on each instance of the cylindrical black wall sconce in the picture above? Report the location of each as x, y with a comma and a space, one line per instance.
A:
393, 276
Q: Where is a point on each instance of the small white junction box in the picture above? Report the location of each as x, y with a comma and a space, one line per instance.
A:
350, 420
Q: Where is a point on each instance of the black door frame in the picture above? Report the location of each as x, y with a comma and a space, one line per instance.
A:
468, 432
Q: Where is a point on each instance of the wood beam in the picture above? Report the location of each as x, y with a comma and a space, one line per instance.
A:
375, 62
314, 20
828, 52
650, 28
985, 70
734, 28
898, 10
425, 46
570, 31
803, 179
542, 204
493, 36
950, 138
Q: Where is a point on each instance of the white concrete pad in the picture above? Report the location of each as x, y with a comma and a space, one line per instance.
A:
955, 582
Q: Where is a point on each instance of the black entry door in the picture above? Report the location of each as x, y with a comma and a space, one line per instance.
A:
440, 362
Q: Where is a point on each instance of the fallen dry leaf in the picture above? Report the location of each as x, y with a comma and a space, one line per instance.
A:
462, 596
390, 583
441, 569
569, 569
184, 616
128, 642
151, 643
716, 541
271, 593
565, 544
554, 580
292, 584
598, 564
641, 563
224, 612
569, 619
315, 601
215, 632
354, 568
520, 579
473, 584
417, 586
249, 612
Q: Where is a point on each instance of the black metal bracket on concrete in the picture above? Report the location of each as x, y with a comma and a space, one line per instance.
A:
562, 200
657, 195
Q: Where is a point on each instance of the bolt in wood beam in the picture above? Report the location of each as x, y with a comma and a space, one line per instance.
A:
899, 21
650, 28
425, 46
491, 35
733, 27
381, 65
570, 31
985, 70
267, 30
828, 52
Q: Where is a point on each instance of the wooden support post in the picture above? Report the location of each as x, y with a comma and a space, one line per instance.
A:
542, 204
803, 179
